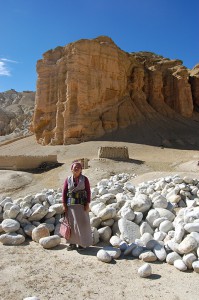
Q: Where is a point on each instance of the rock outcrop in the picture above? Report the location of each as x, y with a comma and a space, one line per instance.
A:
91, 88
16, 110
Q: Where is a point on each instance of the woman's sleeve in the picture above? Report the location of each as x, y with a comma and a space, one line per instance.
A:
88, 190
64, 192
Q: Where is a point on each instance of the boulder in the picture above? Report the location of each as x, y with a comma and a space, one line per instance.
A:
40, 232
12, 239
50, 241
10, 225
104, 256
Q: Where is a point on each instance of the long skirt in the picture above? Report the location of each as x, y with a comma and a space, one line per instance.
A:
81, 233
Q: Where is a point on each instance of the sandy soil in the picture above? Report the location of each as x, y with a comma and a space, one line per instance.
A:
30, 270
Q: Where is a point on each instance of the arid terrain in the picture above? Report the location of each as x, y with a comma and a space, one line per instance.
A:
29, 270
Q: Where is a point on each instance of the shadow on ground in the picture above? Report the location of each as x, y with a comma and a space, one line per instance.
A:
44, 167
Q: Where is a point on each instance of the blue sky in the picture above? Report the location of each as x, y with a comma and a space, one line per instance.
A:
28, 28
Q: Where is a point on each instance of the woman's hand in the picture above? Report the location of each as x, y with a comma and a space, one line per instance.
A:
86, 207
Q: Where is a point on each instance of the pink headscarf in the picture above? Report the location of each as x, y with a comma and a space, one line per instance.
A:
76, 163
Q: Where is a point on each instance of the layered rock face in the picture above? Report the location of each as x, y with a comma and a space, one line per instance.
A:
91, 88
16, 111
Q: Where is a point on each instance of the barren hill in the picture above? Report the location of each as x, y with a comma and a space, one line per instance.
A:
16, 110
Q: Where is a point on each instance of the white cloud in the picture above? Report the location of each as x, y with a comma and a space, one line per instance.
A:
8, 60
4, 69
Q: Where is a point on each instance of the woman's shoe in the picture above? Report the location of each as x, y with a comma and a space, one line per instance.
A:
71, 247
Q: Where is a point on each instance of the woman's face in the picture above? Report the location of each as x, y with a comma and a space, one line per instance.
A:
76, 170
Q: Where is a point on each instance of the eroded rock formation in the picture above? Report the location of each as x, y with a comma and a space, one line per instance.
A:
91, 88
16, 110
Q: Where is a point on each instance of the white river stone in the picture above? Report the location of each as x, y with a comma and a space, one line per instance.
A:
115, 241
113, 252
105, 233
141, 203
129, 230
145, 238
104, 198
158, 221
138, 217
145, 270
103, 191
190, 214
96, 207
129, 248
14, 210
166, 226
95, 236
188, 180
159, 235
146, 228
28, 229
127, 213
166, 213
195, 266
160, 252
160, 202
137, 251
58, 207
95, 222
180, 265
148, 256
108, 222
189, 259
12, 239
104, 256
10, 225
123, 246
172, 245
6, 200
151, 244
179, 233
171, 257
107, 213
50, 241
129, 186
192, 227
195, 235
39, 211
187, 245
51, 212
40, 232
152, 215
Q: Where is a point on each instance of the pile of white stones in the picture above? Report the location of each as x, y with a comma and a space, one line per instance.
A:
34, 216
157, 220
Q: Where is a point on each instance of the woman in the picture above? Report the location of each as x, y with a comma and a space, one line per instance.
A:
76, 198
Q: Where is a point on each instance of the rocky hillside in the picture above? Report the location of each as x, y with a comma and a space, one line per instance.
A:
16, 110
92, 89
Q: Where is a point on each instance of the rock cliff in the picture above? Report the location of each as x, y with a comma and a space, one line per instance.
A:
16, 111
92, 89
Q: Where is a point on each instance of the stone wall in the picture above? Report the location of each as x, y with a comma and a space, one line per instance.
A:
22, 162
113, 152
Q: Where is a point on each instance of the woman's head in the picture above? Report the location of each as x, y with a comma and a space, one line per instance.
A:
76, 168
